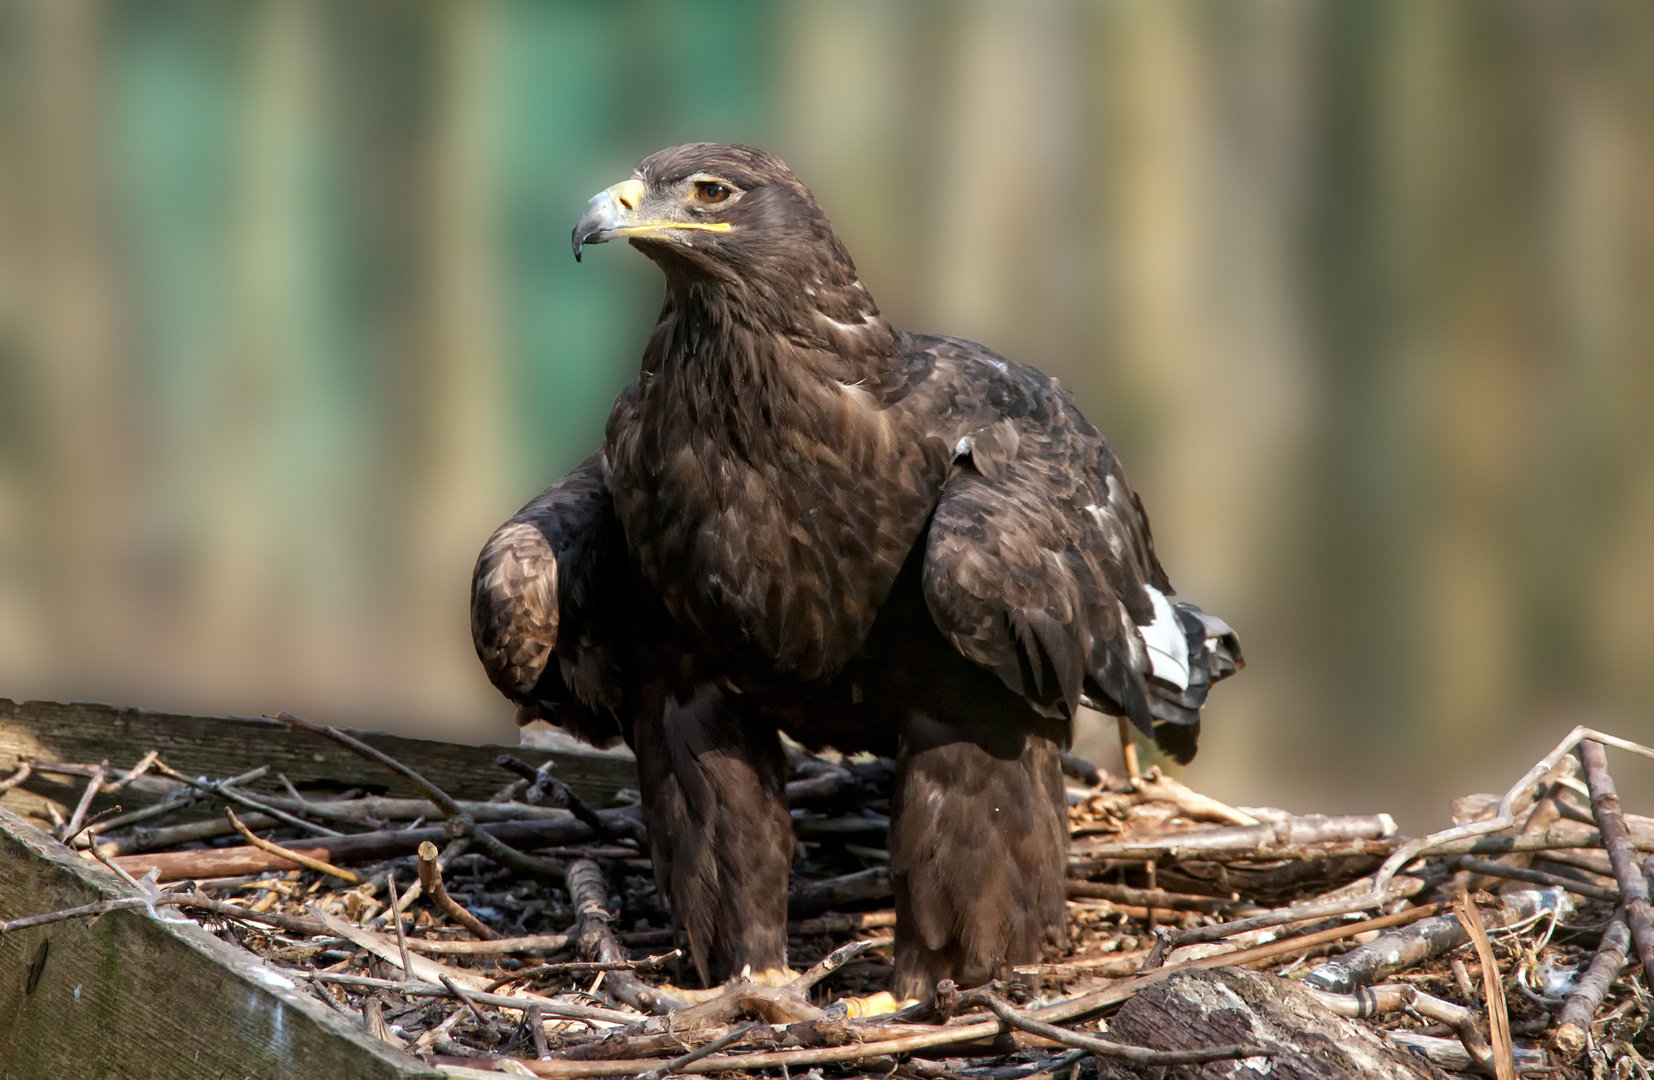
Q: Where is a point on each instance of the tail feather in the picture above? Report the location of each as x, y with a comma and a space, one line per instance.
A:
1214, 654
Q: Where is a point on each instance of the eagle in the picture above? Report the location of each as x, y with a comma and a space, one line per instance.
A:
803, 520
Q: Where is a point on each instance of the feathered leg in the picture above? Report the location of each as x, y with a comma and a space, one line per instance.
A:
978, 852
714, 798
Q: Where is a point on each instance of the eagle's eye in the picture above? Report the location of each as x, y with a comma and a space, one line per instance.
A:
710, 191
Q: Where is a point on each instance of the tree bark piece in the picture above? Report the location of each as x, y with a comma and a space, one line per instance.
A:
1306, 1039
1616, 837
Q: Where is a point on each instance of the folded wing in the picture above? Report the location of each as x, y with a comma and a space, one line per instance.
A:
547, 601
1040, 566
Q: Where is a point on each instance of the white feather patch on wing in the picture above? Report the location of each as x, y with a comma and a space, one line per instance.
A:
1168, 648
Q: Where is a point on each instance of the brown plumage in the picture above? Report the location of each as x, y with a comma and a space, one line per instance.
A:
806, 520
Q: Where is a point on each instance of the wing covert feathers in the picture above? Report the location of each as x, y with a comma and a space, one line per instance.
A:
1040, 564
548, 599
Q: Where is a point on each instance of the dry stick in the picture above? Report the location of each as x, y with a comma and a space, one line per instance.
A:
144, 886
963, 1033
1123, 989
72, 828
1534, 877
494, 848
297, 859
475, 1007
1378, 1000
1140, 1055
728, 1038
308, 927
101, 815
589, 891
1493, 989
85, 911
537, 1031
1128, 750
1605, 805
225, 789
396, 921
583, 967
292, 924
564, 796
417, 988
829, 964
1573, 1029
497, 947
1504, 818
145, 763
430, 883
24, 769
1156, 898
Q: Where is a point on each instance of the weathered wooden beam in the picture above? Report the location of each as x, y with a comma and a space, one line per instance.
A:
151, 997
227, 746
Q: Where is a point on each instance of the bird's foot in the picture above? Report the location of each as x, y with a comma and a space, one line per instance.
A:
874, 1004
768, 977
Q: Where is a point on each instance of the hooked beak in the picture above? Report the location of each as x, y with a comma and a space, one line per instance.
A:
614, 212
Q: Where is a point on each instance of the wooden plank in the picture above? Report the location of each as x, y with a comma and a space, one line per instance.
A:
226, 746
131, 996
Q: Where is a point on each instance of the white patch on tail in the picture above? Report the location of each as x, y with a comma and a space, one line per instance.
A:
1168, 648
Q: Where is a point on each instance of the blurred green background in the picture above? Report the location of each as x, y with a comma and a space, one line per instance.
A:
1362, 292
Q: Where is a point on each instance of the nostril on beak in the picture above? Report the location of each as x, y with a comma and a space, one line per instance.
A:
629, 194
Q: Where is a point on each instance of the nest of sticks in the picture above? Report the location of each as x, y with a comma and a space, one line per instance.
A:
523, 933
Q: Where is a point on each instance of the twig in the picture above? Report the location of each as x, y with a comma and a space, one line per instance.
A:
1158, 898
417, 988
1375, 1001
497, 947
1128, 750
1140, 1055
1493, 989
466, 825
85, 911
24, 769
72, 827
585, 967
1605, 805
537, 1031
430, 883
225, 789
475, 1007
144, 764
1573, 1029
589, 891
563, 795
1534, 877
292, 924
1437, 842
396, 921
729, 1038
73, 838
295, 857
828, 964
